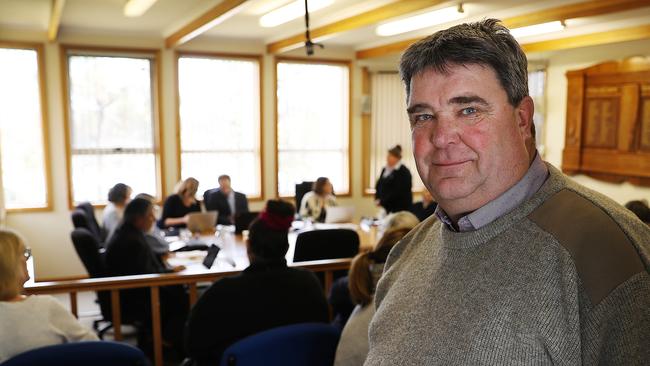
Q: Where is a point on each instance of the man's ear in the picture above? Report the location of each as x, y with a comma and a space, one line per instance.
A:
525, 111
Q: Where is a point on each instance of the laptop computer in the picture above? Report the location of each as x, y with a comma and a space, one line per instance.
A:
202, 222
339, 214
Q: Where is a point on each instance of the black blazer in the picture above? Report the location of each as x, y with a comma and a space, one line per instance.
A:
214, 199
263, 296
394, 191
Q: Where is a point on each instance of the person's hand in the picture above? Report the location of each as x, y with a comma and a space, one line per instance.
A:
177, 269
185, 218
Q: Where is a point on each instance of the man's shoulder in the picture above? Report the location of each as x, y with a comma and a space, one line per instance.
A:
602, 239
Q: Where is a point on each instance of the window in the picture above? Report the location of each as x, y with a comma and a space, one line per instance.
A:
23, 147
111, 124
390, 126
219, 108
537, 91
313, 104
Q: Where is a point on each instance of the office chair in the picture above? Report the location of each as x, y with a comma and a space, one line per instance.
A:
326, 244
96, 353
92, 221
302, 344
243, 220
301, 190
88, 250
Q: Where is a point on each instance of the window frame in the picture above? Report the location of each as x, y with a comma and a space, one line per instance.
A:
45, 140
315, 61
156, 77
226, 56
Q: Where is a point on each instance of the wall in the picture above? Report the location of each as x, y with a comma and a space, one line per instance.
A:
48, 232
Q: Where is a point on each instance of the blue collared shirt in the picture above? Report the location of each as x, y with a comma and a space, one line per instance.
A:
531, 182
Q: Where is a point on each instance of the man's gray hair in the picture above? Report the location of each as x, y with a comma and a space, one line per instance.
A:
485, 43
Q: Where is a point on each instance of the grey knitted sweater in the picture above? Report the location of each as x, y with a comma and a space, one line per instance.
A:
563, 279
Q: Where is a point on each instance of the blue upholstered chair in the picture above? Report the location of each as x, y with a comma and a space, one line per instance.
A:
311, 344
81, 354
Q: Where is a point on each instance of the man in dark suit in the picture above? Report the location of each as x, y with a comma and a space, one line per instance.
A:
228, 202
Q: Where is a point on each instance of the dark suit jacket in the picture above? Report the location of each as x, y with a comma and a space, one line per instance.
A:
214, 199
263, 296
394, 191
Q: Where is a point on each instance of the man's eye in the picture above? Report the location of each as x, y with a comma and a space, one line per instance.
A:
421, 117
468, 111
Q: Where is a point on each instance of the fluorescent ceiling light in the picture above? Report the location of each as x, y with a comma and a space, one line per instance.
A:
536, 29
425, 20
135, 8
291, 11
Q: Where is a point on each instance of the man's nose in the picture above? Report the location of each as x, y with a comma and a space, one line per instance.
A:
444, 131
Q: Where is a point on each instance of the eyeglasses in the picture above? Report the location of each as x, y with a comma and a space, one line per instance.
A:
27, 253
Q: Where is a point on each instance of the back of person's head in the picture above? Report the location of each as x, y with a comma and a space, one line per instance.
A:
12, 248
119, 193
400, 219
396, 151
136, 209
146, 196
361, 279
268, 233
319, 185
187, 187
640, 209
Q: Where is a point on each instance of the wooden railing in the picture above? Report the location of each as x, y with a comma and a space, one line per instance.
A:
154, 282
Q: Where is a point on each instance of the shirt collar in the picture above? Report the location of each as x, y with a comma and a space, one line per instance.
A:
527, 186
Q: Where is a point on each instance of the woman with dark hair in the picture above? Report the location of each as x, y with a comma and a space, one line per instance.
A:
393, 188
178, 205
315, 203
118, 196
365, 271
265, 295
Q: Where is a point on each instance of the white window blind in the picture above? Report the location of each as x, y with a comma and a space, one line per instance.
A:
390, 126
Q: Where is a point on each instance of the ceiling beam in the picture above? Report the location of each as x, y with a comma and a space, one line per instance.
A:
579, 10
204, 22
593, 39
370, 17
55, 19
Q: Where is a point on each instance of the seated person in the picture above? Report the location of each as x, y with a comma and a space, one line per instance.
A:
314, 204
128, 253
178, 205
118, 197
424, 208
154, 236
339, 296
226, 201
640, 209
29, 322
365, 271
265, 295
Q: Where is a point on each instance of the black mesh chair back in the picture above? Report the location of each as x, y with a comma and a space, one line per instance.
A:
243, 220
88, 250
80, 220
326, 244
301, 190
92, 221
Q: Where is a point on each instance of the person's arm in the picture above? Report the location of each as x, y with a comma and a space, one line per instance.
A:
304, 206
67, 325
617, 330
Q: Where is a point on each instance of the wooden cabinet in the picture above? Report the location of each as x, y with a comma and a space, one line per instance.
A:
608, 122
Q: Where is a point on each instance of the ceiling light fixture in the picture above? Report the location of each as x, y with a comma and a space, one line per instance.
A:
420, 21
533, 30
135, 8
291, 11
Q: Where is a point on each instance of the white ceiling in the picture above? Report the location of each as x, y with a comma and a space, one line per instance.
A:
167, 16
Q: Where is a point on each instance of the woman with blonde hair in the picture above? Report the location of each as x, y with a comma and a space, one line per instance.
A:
29, 322
365, 271
179, 204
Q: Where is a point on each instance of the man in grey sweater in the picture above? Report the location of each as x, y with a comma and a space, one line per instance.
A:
519, 265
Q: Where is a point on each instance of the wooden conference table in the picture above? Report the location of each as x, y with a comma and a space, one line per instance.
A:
231, 260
